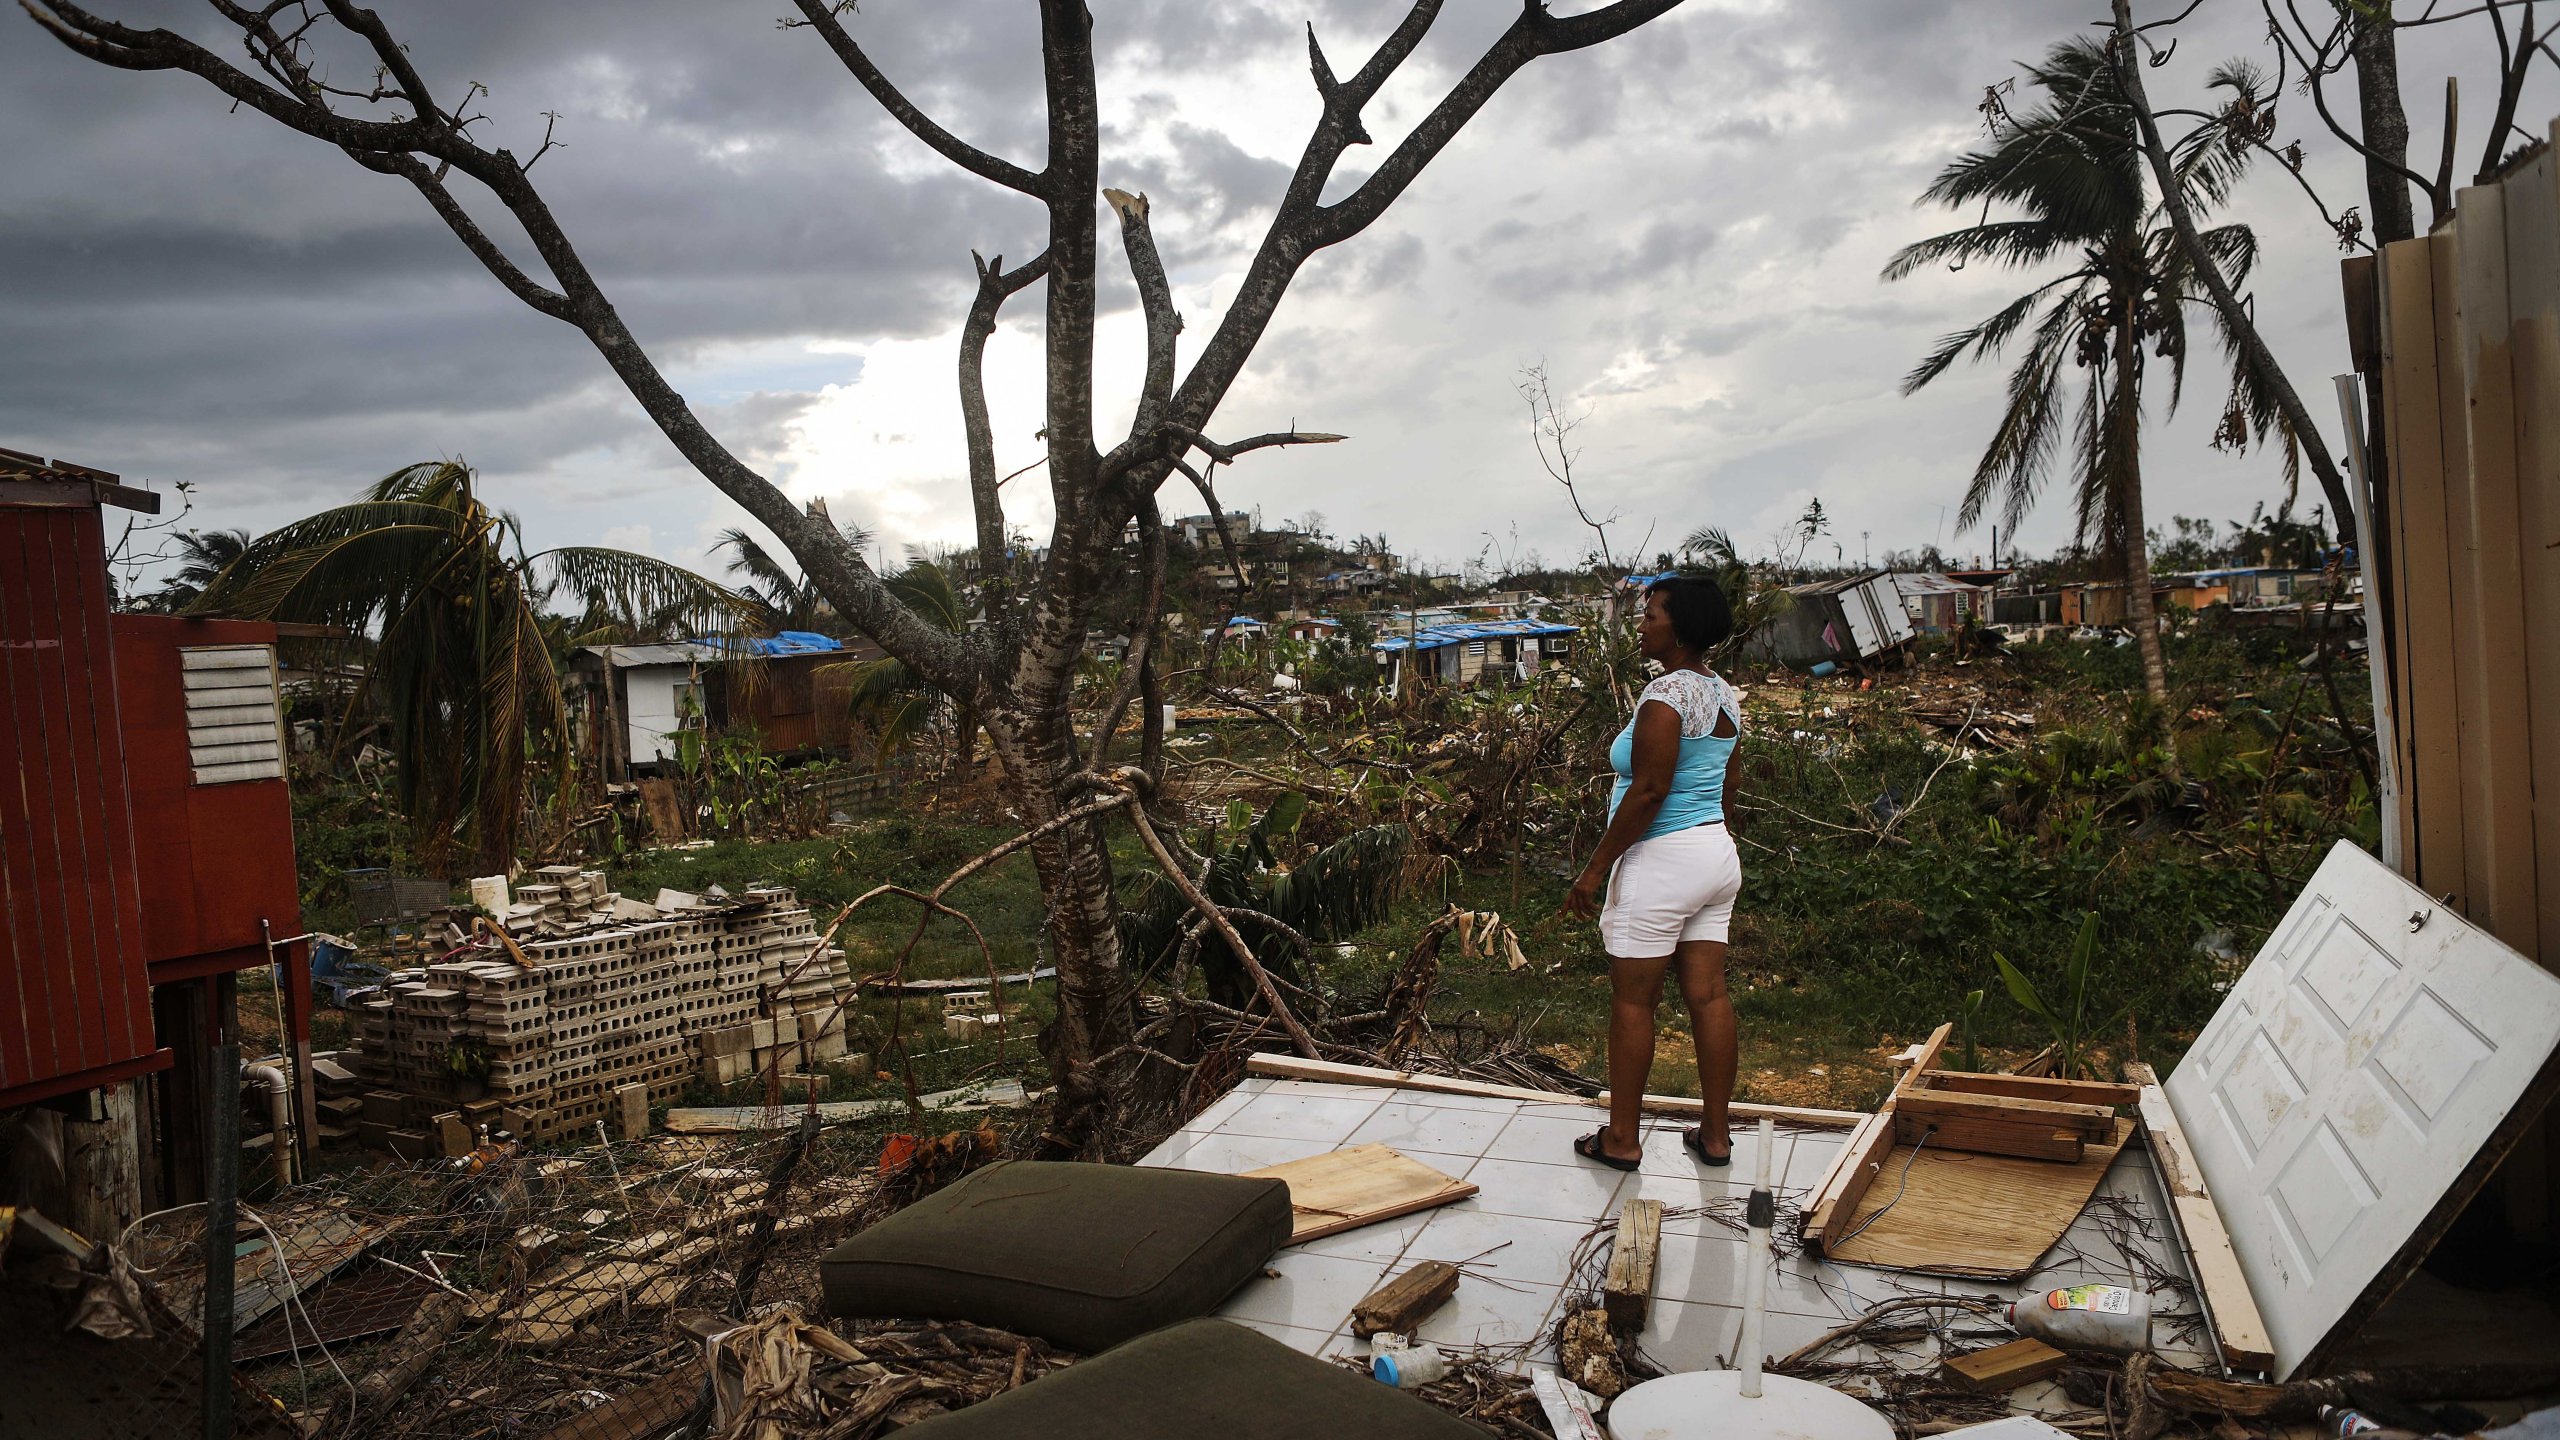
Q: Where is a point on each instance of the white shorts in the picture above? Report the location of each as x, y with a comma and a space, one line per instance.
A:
1671, 888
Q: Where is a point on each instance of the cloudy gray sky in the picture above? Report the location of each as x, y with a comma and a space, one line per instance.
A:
1685, 227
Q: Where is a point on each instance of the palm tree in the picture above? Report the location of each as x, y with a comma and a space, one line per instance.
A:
2072, 172
461, 655
790, 601
201, 555
897, 703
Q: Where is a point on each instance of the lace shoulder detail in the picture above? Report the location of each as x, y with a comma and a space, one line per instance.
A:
1698, 699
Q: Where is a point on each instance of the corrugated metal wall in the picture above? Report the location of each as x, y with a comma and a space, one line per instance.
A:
74, 996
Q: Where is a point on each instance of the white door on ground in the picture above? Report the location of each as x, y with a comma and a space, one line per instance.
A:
2352, 1073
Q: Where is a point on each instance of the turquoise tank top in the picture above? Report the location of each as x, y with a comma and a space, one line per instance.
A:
1697, 780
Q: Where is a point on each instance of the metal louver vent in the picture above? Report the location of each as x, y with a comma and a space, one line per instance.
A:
234, 730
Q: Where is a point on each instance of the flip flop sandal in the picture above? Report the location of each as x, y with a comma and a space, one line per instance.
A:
1695, 1137
1589, 1148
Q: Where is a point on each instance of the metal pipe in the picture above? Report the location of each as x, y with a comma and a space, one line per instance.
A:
279, 1115
1762, 1216
221, 1216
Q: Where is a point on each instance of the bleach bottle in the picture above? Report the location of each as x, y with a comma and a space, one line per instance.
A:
2086, 1317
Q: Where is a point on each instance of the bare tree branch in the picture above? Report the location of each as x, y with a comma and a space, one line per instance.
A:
820, 15
995, 285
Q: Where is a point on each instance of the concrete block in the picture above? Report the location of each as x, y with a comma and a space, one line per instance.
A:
729, 1040
517, 1120
631, 1110
453, 1134
386, 1108
827, 1046
762, 1035
410, 1145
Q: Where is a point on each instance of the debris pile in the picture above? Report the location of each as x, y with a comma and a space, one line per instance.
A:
603, 1002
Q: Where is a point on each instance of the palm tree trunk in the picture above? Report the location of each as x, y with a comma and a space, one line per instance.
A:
2137, 541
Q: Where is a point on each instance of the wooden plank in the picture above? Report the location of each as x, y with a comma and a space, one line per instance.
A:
1362, 1185
2497, 740
1979, 1136
1847, 1183
2094, 1122
2221, 1288
1627, 1293
1403, 1303
1930, 1050
2532, 206
2034, 1087
1292, 1067
2003, 1368
2416, 429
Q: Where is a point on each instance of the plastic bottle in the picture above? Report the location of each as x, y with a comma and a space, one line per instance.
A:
1406, 1365
2086, 1317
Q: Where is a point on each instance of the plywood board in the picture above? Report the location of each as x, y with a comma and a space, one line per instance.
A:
1346, 1189
2355, 1088
1988, 1217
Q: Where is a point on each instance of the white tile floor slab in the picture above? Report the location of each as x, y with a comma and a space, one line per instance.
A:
1325, 1121
1430, 1129
1535, 1195
1549, 1192
1311, 1292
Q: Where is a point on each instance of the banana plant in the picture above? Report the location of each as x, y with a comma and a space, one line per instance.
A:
2069, 1020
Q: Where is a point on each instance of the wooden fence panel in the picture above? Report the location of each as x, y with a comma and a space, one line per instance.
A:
2497, 745
2416, 437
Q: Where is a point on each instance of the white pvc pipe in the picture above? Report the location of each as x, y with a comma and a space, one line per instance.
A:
279, 1115
1755, 1272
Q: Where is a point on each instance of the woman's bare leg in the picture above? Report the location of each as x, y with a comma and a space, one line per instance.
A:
1701, 970
1635, 988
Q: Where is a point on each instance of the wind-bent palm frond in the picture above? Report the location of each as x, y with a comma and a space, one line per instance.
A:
463, 659
898, 704
202, 556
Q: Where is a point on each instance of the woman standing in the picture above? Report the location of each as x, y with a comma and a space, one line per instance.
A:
1670, 869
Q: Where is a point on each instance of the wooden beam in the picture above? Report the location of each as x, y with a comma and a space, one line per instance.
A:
1402, 1304
2417, 433
1838, 1196
2035, 1087
1292, 1067
2092, 1122
1988, 1137
1927, 1061
2003, 1368
2221, 1286
1627, 1293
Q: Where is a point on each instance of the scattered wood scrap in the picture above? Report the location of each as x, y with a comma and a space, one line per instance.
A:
547, 1318
1292, 1067
1627, 1293
1346, 1189
2003, 1368
1404, 1302
2238, 1329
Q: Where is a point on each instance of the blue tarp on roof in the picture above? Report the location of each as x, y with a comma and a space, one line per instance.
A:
796, 642
1434, 637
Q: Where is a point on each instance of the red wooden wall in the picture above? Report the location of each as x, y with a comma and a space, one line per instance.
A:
214, 859
75, 1007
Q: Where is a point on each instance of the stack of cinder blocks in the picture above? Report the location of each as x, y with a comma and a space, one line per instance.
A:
599, 1009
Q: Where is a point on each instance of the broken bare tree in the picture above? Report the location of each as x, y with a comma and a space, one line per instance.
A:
1016, 673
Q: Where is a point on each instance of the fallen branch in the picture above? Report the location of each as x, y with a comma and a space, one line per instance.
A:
1298, 1036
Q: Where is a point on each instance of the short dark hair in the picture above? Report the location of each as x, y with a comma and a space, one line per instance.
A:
1696, 605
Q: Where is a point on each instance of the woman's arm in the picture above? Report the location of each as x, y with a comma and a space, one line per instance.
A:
1657, 755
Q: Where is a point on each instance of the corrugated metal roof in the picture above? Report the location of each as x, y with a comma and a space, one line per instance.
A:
1434, 637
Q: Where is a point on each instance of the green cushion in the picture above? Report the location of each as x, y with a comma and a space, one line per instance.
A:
1084, 1256
1202, 1380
